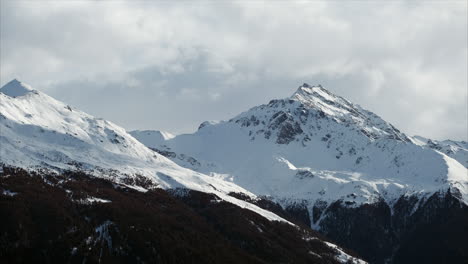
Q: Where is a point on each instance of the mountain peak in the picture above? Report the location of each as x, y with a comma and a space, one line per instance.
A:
16, 88
310, 109
308, 90
318, 97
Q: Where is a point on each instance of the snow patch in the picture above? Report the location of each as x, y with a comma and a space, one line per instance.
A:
9, 193
342, 257
91, 200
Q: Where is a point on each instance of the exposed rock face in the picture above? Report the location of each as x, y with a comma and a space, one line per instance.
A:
286, 116
191, 162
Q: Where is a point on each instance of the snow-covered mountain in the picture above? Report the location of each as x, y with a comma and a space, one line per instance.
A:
320, 152
318, 147
75, 157
328, 162
38, 132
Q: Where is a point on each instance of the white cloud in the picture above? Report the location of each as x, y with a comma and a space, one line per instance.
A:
406, 61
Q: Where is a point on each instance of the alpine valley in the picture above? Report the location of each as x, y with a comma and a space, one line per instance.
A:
312, 178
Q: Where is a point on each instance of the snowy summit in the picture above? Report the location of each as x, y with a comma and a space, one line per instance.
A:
317, 147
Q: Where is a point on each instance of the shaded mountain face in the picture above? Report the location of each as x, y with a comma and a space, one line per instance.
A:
78, 218
335, 160
75, 188
16, 88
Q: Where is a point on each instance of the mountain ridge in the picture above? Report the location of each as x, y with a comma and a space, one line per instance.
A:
356, 141
335, 166
41, 133
356, 177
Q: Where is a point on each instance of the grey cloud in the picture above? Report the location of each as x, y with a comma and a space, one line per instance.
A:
173, 65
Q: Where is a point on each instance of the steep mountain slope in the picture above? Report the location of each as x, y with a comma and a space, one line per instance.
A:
319, 152
58, 145
319, 147
77, 218
39, 132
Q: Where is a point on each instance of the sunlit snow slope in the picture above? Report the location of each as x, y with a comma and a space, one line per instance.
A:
39, 132
317, 147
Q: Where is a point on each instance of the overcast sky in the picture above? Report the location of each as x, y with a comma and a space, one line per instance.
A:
166, 66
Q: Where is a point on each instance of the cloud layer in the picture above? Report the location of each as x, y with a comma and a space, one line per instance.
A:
168, 66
